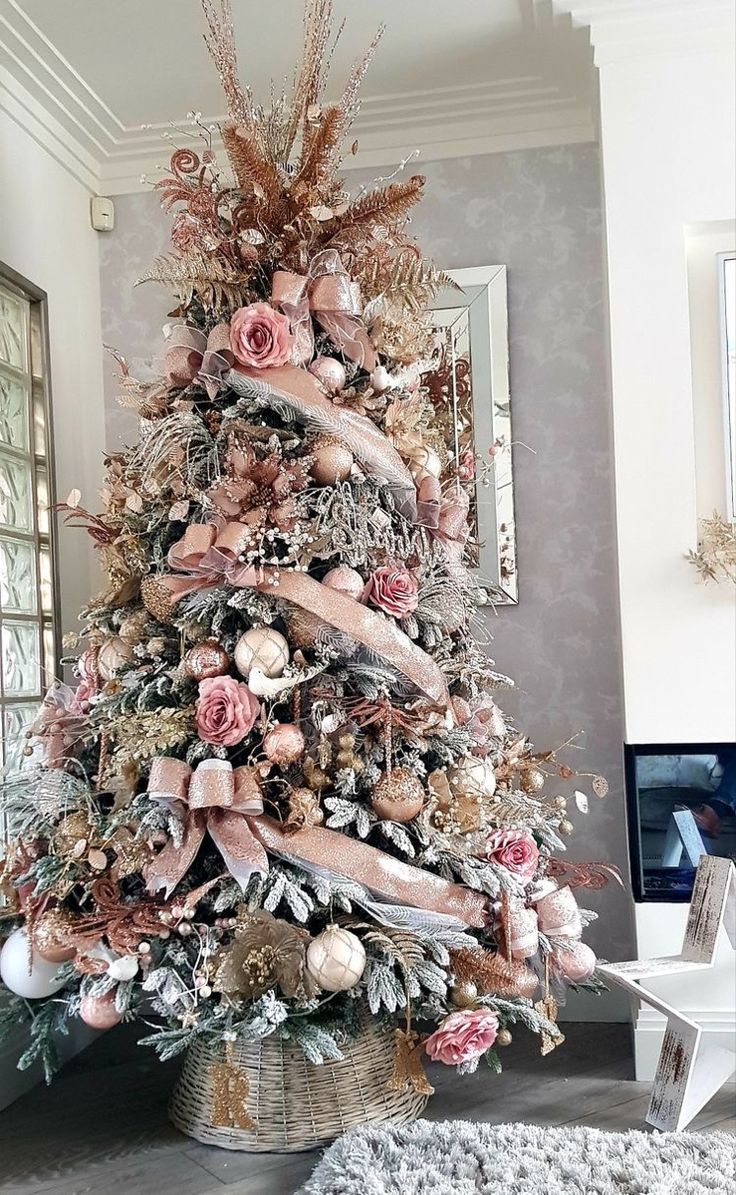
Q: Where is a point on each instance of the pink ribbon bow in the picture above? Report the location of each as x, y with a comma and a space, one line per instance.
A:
215, 799
191, 355
444, 515
327, 293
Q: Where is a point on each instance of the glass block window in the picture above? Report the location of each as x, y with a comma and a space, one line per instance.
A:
28, 623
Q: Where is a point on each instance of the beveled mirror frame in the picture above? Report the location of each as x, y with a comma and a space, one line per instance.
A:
475, 318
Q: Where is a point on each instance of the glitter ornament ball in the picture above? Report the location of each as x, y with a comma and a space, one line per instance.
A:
111, 657
472, 777
51, 936
575, 962
398, 796
99, 1012
345, 580
304, 628
463, 994
336, 959
284, 743
262, 648
329, 372
532, 780
205, 660
425, 463
332, 462
41, 979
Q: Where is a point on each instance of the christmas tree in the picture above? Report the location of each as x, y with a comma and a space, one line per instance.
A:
282, 791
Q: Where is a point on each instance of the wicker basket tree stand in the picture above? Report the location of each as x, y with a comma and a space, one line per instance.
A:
265, 1096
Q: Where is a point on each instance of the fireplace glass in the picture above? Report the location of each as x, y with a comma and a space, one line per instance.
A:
681, 802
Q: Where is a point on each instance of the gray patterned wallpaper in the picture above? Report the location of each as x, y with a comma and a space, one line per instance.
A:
539, 212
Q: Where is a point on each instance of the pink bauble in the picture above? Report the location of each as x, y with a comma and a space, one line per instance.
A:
345, 580
99, 1012
332, 462
330, 372
575, 962
284, 743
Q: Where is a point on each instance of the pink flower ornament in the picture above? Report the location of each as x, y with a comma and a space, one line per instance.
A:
226, 711
393, 590
515, 850
463, 1037
260, 337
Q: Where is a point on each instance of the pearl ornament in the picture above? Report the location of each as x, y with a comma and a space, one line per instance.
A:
34, 982
329, 372
336, 959
263, 648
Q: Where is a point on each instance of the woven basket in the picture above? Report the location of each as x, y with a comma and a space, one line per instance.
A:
295, 1105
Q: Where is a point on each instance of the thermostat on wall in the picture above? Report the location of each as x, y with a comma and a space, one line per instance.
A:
102, 211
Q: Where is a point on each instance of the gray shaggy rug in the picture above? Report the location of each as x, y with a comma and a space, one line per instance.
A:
455, 1157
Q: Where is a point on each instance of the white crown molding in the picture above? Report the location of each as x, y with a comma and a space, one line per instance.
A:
43, 92
621, 30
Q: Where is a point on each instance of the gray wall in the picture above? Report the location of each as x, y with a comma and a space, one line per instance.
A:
539, 212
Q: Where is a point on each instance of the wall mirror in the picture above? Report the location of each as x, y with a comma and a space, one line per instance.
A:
727, 289
472, 385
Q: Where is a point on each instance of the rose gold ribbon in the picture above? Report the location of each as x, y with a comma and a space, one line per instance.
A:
226, 803
444, 515
216, 798
192, 355
211, 557
327, 293
300, 391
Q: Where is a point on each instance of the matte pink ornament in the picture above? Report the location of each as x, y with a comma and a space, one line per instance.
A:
345, 580
575, 961
284, 743
330, 372
99, 1012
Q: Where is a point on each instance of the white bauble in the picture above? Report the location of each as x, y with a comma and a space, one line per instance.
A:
262, 648
43, 977
336, 959
472, 777
425, 462
113, 653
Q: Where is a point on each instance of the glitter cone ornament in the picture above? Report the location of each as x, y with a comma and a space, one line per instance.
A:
262, 648
336, 959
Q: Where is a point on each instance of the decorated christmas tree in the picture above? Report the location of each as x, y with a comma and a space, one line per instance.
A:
282, 797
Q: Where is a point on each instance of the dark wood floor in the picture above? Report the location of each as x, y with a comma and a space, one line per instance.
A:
102, 1126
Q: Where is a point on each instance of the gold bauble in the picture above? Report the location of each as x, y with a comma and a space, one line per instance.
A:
503, 1037
111, 657
532, 780
51, 936
332, 461
398, 796
157, 598
566, 828
336, 959
463, 994
205, 660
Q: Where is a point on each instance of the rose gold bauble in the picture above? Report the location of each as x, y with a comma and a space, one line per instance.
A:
532, 780
113, 653
205, 660
284, 743
575, 962
503, 1038
99, 1012
51, 936
304, 627
398, 796
330, 372
332, 462
345, 580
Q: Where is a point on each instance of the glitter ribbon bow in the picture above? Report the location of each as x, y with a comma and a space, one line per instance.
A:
327, 293
191, 355
227, 804
444, 515
215, 799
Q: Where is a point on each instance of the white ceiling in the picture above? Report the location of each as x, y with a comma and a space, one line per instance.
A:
450, 76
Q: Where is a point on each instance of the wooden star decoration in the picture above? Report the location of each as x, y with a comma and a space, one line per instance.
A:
690, 1070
